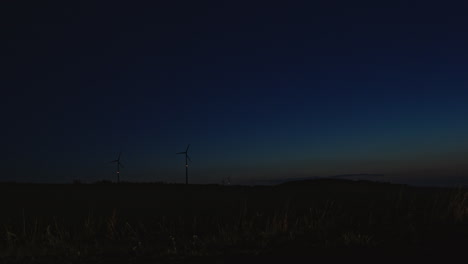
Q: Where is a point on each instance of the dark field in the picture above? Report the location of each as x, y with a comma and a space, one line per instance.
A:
160, 223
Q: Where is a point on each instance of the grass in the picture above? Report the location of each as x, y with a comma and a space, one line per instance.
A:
138, 222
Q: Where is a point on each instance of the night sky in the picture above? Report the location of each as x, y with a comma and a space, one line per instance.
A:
261, 90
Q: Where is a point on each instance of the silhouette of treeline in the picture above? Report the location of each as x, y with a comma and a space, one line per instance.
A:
131, 222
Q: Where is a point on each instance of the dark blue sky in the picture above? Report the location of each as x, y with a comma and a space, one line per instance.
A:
261, 90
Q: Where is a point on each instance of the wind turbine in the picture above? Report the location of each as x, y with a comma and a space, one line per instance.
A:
119, 164
186, 162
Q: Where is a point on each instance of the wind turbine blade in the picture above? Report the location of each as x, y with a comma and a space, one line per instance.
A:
188, 146
180, 152
120, 153
113, 161
189, 158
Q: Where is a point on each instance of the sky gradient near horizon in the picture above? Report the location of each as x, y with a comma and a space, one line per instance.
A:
261, 91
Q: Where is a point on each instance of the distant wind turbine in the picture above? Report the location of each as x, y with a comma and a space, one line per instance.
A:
119, 164
187, 158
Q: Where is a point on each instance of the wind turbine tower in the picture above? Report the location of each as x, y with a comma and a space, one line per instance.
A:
187, 158
119, 164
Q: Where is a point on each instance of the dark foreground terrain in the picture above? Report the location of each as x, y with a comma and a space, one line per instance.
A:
169, 223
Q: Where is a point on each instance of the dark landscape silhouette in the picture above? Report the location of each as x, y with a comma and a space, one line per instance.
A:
329, 218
